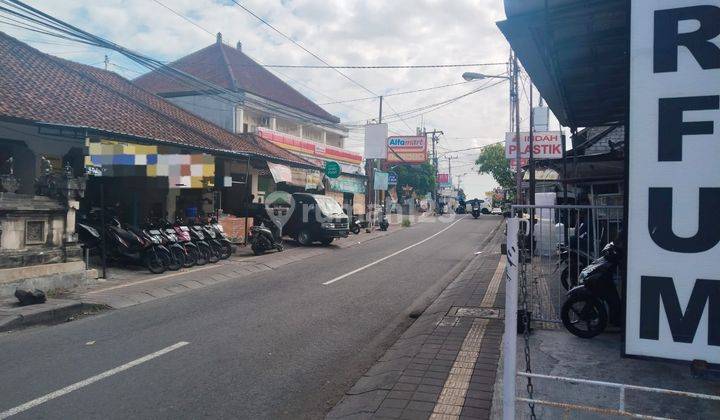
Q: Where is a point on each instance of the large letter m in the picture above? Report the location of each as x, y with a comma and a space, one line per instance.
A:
682, 325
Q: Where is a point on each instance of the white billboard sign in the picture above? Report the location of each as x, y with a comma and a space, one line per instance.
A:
546, 145
375, 135
673, 259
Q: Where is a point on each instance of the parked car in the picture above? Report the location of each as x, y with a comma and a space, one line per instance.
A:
316, 218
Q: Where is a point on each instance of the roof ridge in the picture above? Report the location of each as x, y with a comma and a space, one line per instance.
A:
228, 67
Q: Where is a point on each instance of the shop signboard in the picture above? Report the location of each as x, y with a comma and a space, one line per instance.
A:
375, 135
443, 180
332, 169
116, 158
546, 145
347, 184
673, 254
407, 149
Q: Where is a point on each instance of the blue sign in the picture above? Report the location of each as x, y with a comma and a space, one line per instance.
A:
392, 178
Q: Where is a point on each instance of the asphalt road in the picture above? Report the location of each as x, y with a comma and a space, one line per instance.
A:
275, 344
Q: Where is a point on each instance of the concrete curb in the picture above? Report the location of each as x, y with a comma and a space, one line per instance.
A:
54, 311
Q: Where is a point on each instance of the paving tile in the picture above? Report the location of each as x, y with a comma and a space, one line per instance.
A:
394, 403
421, 406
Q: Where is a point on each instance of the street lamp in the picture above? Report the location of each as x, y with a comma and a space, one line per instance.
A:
470, 76
512, 77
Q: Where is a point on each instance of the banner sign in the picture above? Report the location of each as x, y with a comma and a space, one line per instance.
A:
443, 180
115, 158
546, 145
673, 256
375, 136
380, 180
347, 184
308, 147
407, 149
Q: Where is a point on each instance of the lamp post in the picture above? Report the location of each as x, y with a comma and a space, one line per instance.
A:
513, 79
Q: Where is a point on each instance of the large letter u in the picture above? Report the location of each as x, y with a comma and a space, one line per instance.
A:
660, 221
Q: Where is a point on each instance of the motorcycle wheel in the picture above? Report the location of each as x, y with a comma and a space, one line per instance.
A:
226, 250
213, 254
154, 262
355, 229
190, 257
475, 216
579, 311
257, 249
564, 278
202, 254
177, 259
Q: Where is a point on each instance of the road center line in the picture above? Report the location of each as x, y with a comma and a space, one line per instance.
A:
77, 385
357, 270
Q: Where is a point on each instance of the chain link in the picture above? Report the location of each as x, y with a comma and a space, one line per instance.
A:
526, 318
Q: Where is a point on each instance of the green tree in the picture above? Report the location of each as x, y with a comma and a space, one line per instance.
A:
421, 177
492, 161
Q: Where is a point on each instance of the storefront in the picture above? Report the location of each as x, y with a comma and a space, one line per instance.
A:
349, 192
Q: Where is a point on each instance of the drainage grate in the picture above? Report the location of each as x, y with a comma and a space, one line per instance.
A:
476, 312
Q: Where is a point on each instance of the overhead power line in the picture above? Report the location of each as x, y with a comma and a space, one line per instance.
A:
184, 18
374, 67
398, 93
317, 57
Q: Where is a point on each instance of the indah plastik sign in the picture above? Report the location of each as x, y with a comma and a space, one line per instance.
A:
673, 265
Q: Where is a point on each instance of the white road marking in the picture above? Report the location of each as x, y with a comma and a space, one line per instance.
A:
77, 385
357, 270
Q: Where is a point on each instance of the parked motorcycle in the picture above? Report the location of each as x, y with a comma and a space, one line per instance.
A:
356, 225
226, 247
264, 235
595, 300
170, 241
205, 250
194, 255
123, 243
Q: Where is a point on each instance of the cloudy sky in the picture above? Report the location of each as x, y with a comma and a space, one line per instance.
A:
342, 32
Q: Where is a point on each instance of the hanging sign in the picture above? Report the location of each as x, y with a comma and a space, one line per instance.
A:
380, 180
673, 251
392, 178
332, 169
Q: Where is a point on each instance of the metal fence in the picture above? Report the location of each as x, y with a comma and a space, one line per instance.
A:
547, 248
556, 243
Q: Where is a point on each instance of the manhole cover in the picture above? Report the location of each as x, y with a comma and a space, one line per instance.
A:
476, 312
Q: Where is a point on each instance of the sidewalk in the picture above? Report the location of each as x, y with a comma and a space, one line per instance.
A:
444, 365
126, 287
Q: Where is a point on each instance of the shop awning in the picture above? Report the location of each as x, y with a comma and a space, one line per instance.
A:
576, 54
299, 177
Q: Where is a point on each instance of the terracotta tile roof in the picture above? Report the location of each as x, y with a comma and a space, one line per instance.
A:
41, 88
231, 69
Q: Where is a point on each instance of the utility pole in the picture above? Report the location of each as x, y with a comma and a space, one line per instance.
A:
531, 166
516, 103
449, 159
434, 140
370, 173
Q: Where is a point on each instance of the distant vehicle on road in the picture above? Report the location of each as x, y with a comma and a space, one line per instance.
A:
496, 210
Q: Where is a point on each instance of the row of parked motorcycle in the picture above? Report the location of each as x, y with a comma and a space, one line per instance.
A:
159, 244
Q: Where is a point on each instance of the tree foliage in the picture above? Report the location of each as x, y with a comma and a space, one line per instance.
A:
420, 177
492, 161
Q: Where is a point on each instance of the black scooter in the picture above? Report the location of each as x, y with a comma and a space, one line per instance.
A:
264, 236
475, 210
595, 299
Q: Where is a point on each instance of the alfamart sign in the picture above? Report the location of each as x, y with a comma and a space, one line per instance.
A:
673, 264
